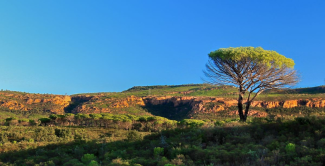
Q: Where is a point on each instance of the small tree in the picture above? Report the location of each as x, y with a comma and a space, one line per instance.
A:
251, 70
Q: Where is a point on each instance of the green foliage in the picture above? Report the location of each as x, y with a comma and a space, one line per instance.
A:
23, 120
88, 158
134, 135
192, 123
290, 148
289, 142
257, 54
95, 116
93, 163
45, 120
73, 162
32, 122
64, 133
158, 151
3, 137
219, 123
53, 116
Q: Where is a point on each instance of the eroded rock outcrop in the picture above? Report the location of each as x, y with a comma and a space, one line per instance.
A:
28, 102
102, 103
199, 104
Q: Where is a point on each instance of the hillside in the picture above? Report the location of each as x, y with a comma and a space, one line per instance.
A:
198, 101
98, 134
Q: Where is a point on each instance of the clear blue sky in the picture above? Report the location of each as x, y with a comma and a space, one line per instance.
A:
79, 46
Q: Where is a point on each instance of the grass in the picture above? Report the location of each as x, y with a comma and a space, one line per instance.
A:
34, 115
207, 90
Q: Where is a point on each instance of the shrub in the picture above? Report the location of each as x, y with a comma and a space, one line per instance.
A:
23, 120
219, 123
142, 119
192, 123
73, 162
45, 120
3, 138
321, 143
290, 148
93, 163
134, 135
32, 122
258, 121
158, 151
302, 121
87, 158
64, 133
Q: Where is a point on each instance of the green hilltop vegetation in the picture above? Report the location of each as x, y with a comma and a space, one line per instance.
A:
172, 90
311, 90
208, 90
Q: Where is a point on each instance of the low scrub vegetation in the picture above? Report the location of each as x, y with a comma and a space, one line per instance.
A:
261, 141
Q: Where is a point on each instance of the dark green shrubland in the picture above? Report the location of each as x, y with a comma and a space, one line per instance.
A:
261, 141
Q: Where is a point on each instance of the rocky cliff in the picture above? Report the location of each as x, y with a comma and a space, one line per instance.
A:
103, 103
27, 101
196, 104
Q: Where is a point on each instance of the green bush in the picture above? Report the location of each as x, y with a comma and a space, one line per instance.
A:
290, 148
302, 120
73, 162
192, 123
93, 163
219, 123
158, 151
88, 158
64, 133
3, 137
134, 135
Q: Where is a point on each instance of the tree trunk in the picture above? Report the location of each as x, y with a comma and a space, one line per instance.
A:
240, 107
248, 104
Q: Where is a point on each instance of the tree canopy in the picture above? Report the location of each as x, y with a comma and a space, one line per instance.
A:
258, 55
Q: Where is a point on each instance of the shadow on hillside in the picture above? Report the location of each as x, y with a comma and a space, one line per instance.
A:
72, 152
197, 145
169, 110
75, 102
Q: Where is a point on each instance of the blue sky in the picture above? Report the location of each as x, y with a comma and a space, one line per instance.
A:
108, 46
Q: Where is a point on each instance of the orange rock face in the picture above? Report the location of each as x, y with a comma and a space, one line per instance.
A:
61, 100
14, 105
317, 103
26, 101
198, 104
229, 103
253, 113
101, 103
272, 104
290, 103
